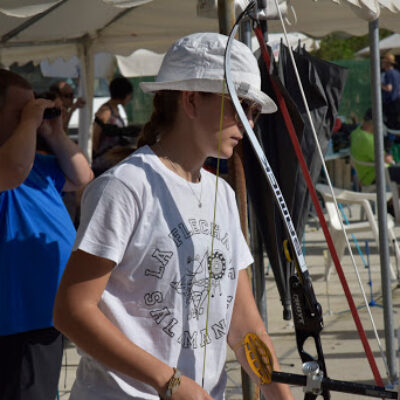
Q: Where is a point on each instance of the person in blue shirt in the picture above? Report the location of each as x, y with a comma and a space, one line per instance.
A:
36, 238
390, 91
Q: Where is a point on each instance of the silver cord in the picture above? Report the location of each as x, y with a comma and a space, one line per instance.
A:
198, 198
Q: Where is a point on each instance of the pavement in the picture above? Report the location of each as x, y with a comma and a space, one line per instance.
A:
344, 354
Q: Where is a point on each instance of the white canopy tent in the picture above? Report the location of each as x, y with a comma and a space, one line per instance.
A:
146, 24
390, 43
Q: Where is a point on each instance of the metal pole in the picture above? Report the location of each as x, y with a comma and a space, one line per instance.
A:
255, 237
257, 250
226, 15
381, 195
262, 5
226, 18
86, 90
259, 289
245, 33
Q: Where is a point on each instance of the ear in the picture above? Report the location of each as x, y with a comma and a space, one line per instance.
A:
190, 103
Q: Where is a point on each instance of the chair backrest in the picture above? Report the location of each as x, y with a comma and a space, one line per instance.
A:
395, 195
329, 204
395, 132
347, 197
333, 215
367, 163
364, 188
391, 186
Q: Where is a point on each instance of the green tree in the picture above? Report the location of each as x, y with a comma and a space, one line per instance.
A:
341, 47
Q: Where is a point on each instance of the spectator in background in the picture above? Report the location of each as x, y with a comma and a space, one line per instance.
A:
107, 118
66, 93
41, 144
390, 92
363, 153
36, 238
71, 199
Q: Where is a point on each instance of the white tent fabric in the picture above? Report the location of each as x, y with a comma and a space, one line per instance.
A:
27, 8
103, 67
140, 63
126, 3
390, 43
321, 17
152, 25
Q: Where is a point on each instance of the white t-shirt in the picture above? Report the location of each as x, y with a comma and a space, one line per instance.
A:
146, 219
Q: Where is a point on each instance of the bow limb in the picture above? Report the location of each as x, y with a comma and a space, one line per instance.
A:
307, 312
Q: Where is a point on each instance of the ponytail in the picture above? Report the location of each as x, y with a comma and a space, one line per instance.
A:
164, 113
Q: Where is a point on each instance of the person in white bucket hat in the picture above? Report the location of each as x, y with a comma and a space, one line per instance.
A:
156, 286
195, 63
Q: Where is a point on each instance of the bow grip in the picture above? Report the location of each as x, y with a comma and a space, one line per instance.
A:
308, 322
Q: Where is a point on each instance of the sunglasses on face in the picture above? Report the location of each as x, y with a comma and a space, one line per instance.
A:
250, 108
68, 95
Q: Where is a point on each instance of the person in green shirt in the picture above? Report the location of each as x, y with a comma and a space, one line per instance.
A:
362, 152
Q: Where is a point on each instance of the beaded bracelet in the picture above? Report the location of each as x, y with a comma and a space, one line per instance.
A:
173, 384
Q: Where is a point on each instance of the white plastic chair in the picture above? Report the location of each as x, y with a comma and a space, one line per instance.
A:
394, 189
391, 186
348, 197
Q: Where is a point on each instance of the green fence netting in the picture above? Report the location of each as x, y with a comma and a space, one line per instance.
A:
357, 91
140, 108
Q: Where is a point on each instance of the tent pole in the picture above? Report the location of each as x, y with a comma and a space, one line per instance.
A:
245, 33
226, 18
226, 15
86, 90
381, 194
255, 237
259, 283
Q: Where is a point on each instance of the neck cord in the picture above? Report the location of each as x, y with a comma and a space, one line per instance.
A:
211, 262
198, 198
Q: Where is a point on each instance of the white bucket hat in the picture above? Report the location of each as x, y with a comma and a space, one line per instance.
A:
196, 63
